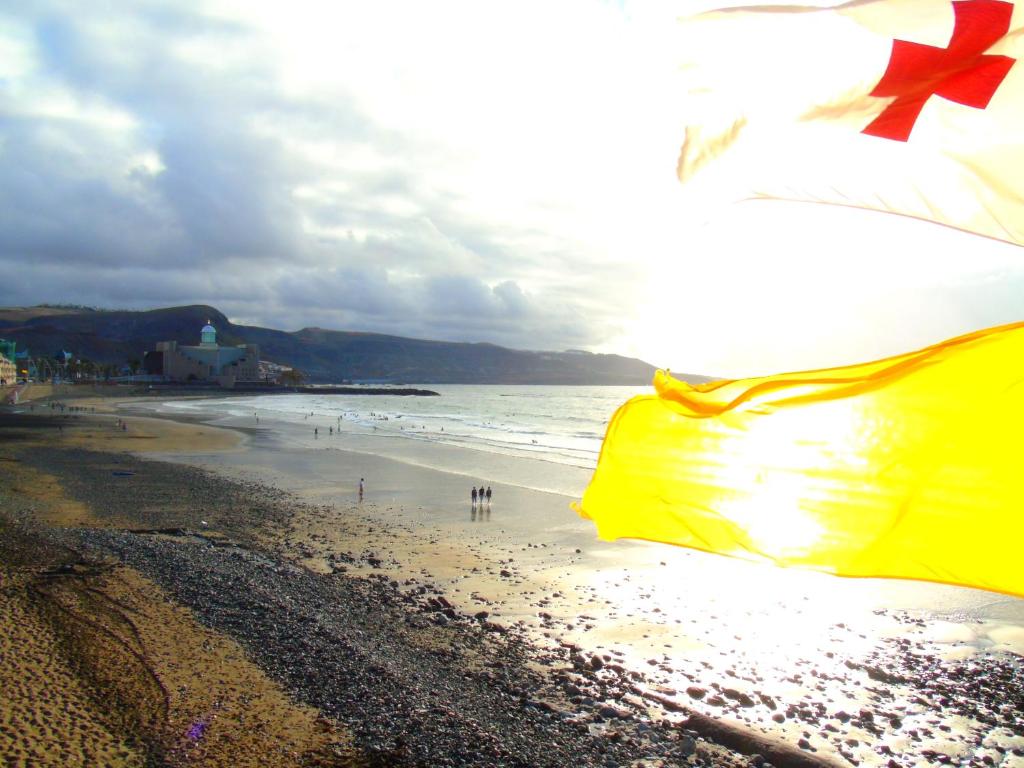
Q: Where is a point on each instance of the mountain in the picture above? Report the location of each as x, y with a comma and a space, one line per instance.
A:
323, 355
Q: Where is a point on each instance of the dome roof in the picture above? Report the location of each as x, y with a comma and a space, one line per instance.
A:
208, 338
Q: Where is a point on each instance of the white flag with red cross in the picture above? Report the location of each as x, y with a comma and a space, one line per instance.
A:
913, 107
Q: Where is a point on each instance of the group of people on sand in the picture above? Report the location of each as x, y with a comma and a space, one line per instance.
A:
481, 494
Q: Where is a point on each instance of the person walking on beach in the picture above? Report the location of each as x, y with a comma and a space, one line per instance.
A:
488, 495
360, 489
473, 495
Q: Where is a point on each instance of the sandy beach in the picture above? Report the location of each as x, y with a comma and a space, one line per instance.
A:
100, 666
252, 647
409, 628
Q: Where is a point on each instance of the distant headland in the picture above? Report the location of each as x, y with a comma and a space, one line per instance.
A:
105, 339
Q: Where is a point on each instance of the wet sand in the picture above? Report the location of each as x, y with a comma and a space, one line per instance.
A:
859, 671
413, 681
767, 662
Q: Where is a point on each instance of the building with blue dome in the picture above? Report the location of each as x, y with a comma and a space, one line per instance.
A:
208, 336
208, 362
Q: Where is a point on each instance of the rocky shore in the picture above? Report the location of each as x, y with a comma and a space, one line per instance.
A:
415, 681
414, 689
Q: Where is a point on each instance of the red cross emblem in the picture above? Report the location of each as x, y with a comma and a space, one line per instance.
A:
961, 72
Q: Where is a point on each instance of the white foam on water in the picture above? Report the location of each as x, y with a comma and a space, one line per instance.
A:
563, 425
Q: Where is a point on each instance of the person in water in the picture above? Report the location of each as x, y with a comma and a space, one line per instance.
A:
472, 495
488, 494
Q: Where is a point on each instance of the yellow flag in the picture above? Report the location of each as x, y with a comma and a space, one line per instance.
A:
910, 467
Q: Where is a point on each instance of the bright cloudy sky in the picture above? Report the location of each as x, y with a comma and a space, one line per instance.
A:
453, 170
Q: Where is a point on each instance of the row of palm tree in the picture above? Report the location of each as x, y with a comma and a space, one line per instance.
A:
83, 369
77, 369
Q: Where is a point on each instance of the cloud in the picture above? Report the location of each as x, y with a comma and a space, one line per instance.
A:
444, 170
294, 170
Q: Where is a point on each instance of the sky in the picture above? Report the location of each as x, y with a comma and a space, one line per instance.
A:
466, 171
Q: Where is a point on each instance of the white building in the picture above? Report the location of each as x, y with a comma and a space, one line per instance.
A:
8, 371
209, 361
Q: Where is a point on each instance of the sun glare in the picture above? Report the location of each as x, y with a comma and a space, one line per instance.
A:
772, 475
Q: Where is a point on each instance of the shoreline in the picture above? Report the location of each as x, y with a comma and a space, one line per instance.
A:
340, 668
109, 670
635, 705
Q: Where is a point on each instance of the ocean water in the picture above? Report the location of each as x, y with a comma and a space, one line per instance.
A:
558, 426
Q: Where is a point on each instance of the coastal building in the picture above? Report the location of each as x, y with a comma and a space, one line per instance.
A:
273, 372
8, 367
208, 362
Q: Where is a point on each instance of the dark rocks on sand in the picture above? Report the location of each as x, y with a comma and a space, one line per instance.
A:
613, 713
683, 748
738, 696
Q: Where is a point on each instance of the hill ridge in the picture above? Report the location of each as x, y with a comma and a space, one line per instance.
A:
323, 354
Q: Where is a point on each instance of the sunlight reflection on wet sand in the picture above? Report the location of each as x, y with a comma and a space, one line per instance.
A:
686, 619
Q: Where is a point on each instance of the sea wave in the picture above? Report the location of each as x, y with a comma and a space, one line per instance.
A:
559, 424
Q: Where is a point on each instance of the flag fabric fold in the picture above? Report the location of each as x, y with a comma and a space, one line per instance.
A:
914, 107
909, 467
